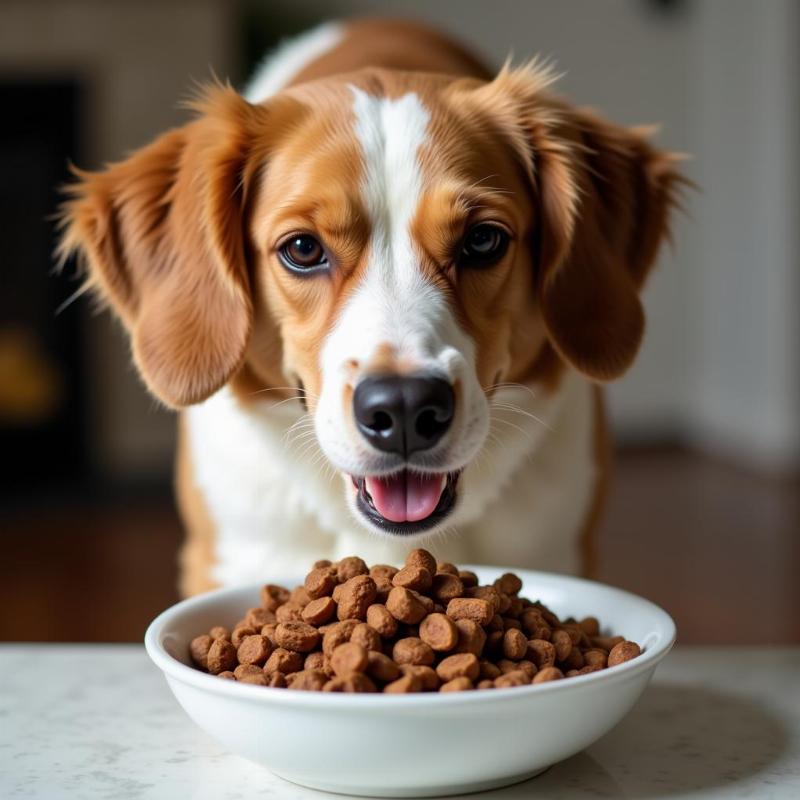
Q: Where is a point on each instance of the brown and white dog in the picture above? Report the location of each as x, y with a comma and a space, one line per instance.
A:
381, 263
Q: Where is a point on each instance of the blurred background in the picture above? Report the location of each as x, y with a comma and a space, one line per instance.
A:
704, 516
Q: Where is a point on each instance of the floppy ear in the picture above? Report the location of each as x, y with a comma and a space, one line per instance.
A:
605, 196
162, 237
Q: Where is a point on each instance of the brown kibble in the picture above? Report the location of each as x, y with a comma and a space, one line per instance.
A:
273, 596
381, 668
471, 637
319, 611
405, 606
574, 660
489, 593
297, 636
285, 661
240, 632
355, 597
413, 577
457, 666
563, 644
509, 583
246, 669
607, 643
323, 562
412, 650
590, 626
307, 680
379, 618
218, 632
227, 674
515, 645
221, 656
269, 631
486, 683
422, 558
290, 611
254, 649
314, 661
445, 587
257, 617
382, 572
548, 674
198, 649
320, 582
355, 682
276, 680
596, 658
488, 670
514, 678
542, 653
367, 637
447, 567
337, 634
622, 652
255, 678
429, 680
408, 683
299, 595
468, 578
349, 568
348, 658
439, 631
457, 685
476, 609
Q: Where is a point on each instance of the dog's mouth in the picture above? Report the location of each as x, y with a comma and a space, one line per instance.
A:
406, 502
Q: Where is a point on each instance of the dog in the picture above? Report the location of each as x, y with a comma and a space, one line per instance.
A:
384, 288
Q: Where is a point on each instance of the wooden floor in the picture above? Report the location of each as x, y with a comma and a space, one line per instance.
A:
717, 547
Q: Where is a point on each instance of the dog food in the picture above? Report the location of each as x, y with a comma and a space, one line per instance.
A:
427, 626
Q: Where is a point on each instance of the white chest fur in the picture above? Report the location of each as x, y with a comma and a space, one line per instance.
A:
276, 506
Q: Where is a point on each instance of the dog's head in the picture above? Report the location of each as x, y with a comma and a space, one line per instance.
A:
397, 245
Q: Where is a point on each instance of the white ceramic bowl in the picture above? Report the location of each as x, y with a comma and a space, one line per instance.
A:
419, 744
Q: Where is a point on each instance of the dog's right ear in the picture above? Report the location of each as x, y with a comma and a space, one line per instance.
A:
161, 235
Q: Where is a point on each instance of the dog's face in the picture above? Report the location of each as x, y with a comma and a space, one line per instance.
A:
395, 246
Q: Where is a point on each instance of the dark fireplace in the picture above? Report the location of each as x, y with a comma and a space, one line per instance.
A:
42, 412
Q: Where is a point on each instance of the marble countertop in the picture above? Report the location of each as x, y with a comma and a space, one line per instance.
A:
98, 721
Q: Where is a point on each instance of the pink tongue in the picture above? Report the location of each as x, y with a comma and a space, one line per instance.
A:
405, 496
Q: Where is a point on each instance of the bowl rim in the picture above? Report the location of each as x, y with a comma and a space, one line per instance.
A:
174, 669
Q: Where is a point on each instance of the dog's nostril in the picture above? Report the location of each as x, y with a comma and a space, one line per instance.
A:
428, 425
381, 422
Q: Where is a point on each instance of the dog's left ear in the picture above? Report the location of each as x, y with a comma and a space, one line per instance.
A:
603, 196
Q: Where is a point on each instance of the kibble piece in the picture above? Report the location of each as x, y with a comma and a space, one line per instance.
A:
285, 661
319, 611
198, 649
515, 607
239, 633
461, 684
596, 658
548, 674
509, 622
574, 660
607, 643
348, 658
447, 567
254, 649
290, 611
273, 596
489, 670
307, 680
624, 651
514, 678
355, 597
542, 653
382, 571
269, 631
320, 582
422, 558
413, 577
573, 630
405, 606
276, 680
590, 626
474, 608
457, 666
365, 635
322, 562
444, 587
381, 668
227, 674
412, 650
338, 634
429, 680
509, 583
534, 625
471, 637
246, 669
354, 682
528, 667
379, 618
515, 645
314, 661
218, 632
563, 644
499, 602
469, 579
300, 595
221, 656
486, 683
440, 632
408, 683
257, 679
349, 567
297, 636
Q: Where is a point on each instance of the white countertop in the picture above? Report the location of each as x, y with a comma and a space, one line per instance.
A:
98, 721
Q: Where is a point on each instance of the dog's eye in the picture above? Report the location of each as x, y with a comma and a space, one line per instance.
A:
483, 245
303, 253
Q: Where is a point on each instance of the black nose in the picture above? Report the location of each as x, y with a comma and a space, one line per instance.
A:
403, 414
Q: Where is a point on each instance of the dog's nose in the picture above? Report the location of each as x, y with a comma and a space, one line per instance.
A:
403, 414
